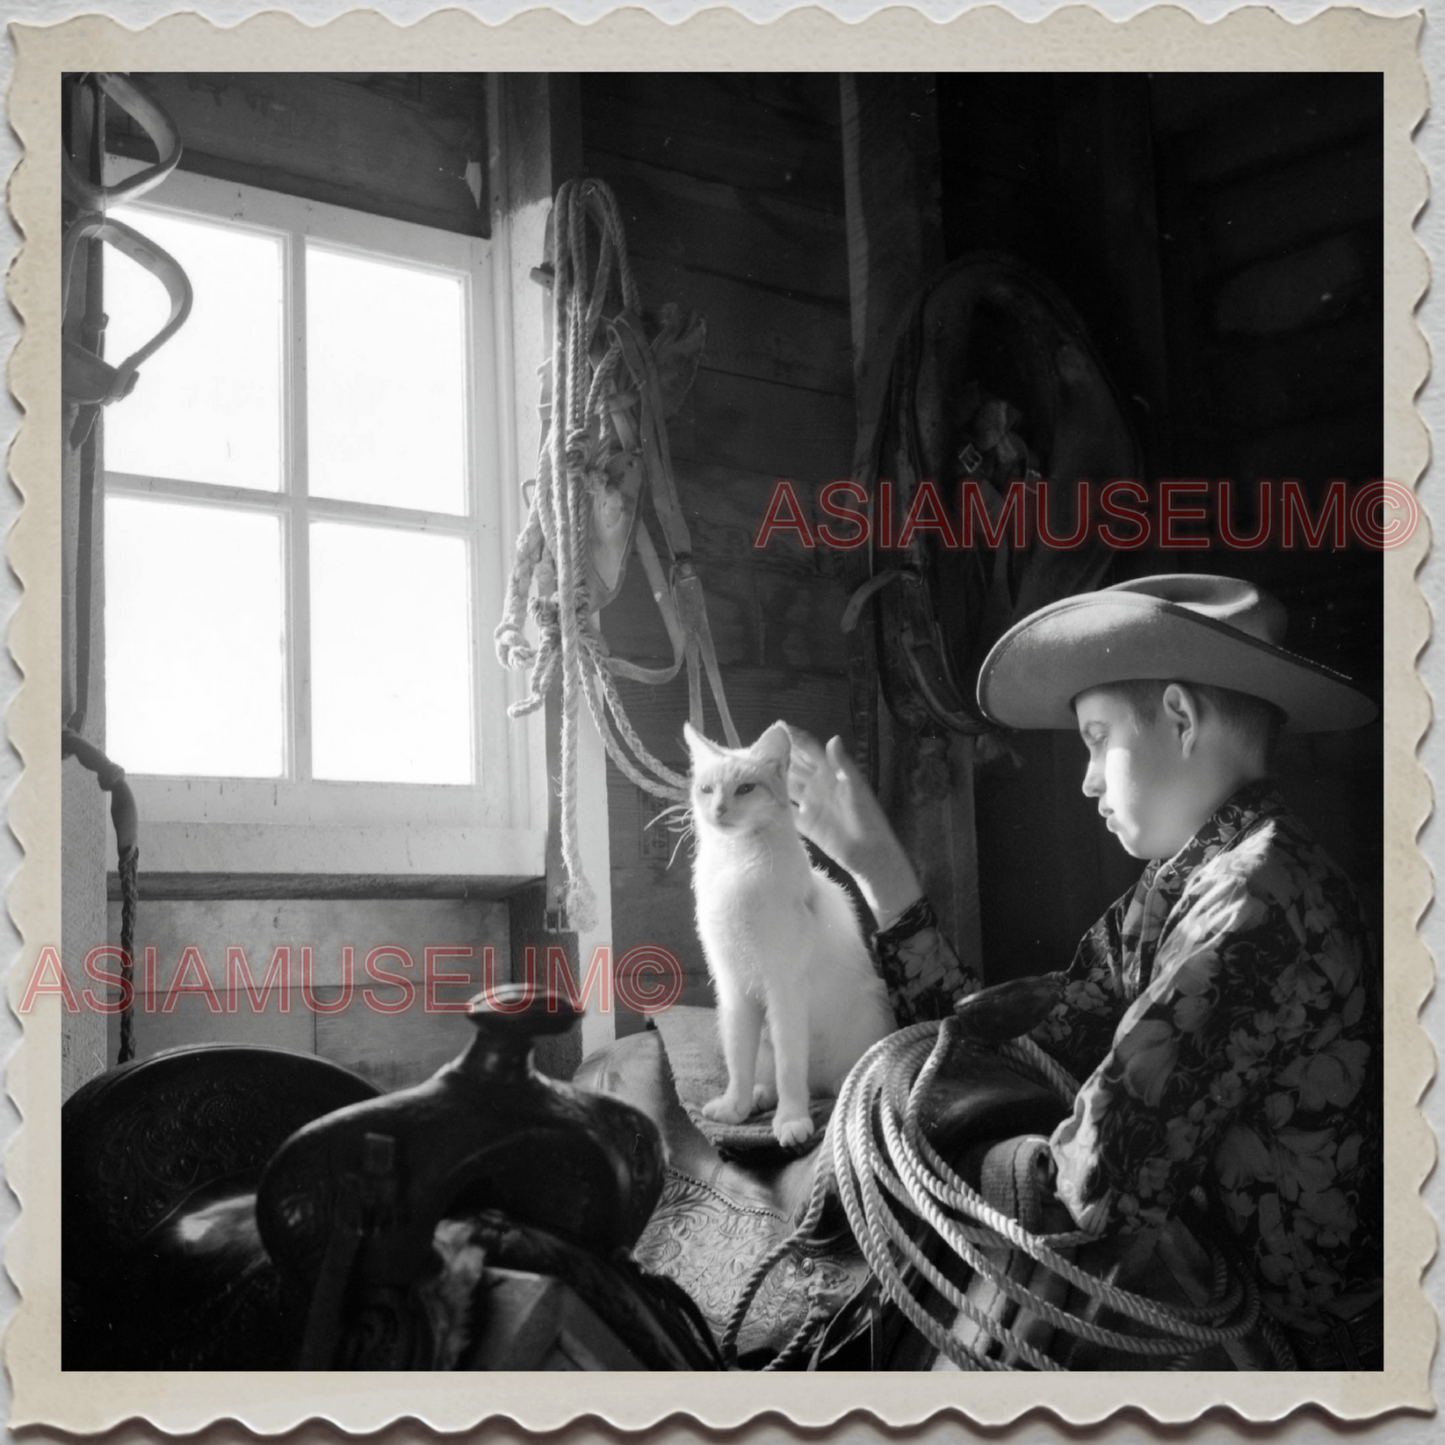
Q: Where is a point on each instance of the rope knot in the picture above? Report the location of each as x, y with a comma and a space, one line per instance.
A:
586, 458
547, 615
513, 649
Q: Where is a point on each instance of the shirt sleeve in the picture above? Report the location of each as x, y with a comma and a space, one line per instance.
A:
921, 969
1079, 1030
1188, 1055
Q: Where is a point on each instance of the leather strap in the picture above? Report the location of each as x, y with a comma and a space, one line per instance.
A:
685, 587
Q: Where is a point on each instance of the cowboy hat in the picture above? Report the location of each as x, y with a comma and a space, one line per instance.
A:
1182, 627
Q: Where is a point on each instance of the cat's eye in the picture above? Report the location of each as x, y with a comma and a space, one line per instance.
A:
743, 788
705, 788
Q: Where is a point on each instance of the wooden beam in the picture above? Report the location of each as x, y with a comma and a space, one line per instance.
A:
329, 139
538, 120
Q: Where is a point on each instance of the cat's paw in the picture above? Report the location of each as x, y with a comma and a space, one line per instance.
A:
793, 1130
725, 1109
765, 1097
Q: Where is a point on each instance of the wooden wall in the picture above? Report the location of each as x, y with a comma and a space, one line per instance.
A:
731, 189
1221, 237
1271, 208
392, 1049
1058, 171
1271, 205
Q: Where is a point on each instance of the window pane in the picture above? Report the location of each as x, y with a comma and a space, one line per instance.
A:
390, 656
207, 406
386, 382
194, 640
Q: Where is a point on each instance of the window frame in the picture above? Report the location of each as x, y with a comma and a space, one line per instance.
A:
494, 826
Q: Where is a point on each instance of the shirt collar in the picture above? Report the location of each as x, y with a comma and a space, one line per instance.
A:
1245, 807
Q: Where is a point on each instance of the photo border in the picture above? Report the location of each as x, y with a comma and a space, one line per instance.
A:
1074, 39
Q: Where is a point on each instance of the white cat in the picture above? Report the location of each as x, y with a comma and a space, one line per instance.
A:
782, 941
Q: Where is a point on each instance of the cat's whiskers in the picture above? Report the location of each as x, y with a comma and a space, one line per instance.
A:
678, 820
683, 834
674, 812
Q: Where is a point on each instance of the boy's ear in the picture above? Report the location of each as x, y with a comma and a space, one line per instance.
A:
1180, 706
775, 746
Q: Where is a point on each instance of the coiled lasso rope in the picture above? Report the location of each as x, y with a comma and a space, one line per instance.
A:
590, 428
881, 1098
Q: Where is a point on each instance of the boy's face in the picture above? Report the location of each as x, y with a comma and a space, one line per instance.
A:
1136, 772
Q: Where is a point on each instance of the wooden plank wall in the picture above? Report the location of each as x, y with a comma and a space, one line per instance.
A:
391, 1045
731, 187
1271, 204
1220, 235
1066, 184
1271, 209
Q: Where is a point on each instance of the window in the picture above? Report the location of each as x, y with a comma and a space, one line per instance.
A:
307, 534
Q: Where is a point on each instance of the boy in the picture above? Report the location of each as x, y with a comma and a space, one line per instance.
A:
1224, 1016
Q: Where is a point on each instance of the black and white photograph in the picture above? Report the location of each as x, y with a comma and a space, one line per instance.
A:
565, 574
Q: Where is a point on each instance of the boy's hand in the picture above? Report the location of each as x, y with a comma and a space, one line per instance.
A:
836, 809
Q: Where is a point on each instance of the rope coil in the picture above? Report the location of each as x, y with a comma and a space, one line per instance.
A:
880, 1101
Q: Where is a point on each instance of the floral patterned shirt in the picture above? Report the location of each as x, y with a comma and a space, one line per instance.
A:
1225, 1016
920, 968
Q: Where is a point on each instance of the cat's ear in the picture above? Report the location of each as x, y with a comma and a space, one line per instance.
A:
699, 746
775, 747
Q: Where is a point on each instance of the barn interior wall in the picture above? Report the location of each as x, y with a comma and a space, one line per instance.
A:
1222, 282
411, 147
731, 190
1233, 297
330, 996
1220, 236
1271, 196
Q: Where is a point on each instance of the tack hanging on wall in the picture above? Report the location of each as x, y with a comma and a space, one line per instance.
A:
605, 403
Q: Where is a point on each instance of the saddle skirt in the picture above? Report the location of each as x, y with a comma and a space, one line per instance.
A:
723, 1210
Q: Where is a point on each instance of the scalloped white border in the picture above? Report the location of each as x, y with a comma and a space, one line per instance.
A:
1076, 39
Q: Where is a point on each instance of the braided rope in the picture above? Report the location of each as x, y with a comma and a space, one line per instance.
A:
570, 550
552, 556
948, 1188
674, 787
883, 1095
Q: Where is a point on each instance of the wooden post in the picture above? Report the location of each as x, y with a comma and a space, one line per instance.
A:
537, 120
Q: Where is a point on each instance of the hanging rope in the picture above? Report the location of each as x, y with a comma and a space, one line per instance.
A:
602, 369
880, 1101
